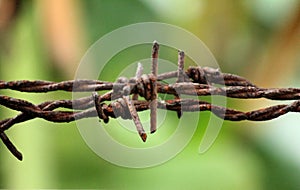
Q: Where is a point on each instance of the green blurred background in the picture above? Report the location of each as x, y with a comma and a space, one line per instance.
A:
258, 39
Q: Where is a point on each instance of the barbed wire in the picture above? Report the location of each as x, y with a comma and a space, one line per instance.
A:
126, 97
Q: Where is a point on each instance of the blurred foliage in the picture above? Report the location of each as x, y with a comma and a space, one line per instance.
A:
240, 35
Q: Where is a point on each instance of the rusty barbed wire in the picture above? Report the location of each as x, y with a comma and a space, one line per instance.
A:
122, 98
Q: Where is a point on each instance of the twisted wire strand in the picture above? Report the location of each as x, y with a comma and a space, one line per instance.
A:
241, 92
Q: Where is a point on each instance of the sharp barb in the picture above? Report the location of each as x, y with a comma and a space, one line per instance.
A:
180, 74
153, 105
135, 118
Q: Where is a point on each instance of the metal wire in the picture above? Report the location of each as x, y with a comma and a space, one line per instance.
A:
195, 81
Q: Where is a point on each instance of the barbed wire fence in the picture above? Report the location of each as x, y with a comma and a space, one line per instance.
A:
126, 97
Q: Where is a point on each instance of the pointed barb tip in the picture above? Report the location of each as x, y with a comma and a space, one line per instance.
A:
144, 137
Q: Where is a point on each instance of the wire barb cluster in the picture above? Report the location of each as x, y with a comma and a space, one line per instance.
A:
127, 97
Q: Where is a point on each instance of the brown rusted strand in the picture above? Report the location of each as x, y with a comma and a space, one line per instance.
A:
47, 86
245, 91
173, 105
153, 104
10, 146
241, 92
82, 103
229, 91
